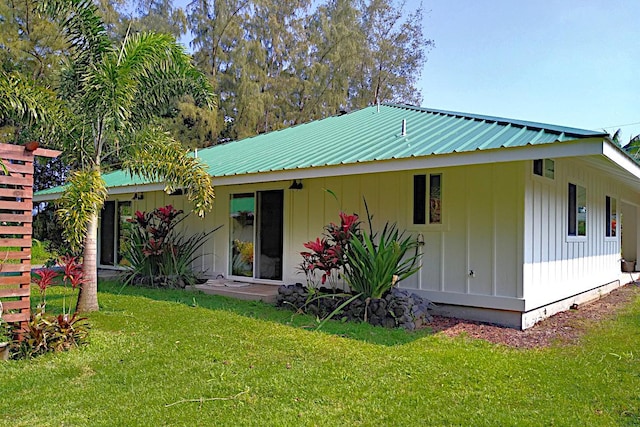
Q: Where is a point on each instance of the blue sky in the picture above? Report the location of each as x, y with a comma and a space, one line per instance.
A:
565, 62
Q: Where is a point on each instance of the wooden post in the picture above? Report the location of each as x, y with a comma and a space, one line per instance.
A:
16, 205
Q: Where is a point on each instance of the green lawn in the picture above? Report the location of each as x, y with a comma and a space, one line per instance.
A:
152, 351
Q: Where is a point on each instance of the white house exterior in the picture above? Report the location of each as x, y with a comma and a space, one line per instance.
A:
519, 220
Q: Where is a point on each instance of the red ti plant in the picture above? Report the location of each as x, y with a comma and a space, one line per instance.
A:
322, 258
44, 279
72, 271
328, 255
72, 275
341, 235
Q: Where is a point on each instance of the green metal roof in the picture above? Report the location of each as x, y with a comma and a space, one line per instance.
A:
368, 135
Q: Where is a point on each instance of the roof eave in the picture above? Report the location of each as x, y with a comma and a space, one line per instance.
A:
580, 147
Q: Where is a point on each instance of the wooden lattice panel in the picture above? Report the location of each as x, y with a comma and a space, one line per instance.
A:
16, 194
16, 204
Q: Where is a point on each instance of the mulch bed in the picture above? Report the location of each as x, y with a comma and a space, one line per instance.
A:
563, 328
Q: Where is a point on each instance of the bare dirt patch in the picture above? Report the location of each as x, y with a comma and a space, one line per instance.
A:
563, 328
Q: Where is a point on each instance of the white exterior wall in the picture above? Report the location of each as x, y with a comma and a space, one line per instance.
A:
558, 266
481, 230
474, 258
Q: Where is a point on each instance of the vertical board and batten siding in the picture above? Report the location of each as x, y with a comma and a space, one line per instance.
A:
481, 229
557, 266
474, 258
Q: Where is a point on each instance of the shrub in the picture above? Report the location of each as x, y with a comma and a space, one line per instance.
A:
375, 265
159, 256
40, 252
327, 255
6, 332
370, 264
52, 334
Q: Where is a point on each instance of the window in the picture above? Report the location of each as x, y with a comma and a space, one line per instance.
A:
544, 167
435, 199
419, 199
577, 212
611, 218
433, 194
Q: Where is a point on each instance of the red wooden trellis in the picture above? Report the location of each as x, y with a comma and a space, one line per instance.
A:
16, 204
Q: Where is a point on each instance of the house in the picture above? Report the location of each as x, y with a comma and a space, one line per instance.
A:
519, 220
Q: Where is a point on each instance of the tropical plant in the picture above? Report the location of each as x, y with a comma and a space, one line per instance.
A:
376, 264
159, 255
44, 278
327, 255
370, 265
52, 333
6, 332
40, 252
23, 100
114, 94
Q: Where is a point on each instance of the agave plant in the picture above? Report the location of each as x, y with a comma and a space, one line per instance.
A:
375, 265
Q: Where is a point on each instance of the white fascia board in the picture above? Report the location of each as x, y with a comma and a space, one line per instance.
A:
615, 154
111, 191
585, 147
39, 198
145, 188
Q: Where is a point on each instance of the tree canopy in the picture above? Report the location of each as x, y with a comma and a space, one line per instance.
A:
273, 63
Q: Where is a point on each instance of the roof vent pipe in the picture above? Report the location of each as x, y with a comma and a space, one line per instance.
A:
378, 107
195, 153
404, 127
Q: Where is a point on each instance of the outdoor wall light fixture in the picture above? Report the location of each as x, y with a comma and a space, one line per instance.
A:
138, 196
296, 185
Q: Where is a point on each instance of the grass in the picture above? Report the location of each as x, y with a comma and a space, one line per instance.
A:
40, 253
178, 358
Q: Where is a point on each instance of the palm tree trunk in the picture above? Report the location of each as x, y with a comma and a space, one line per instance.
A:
88, 297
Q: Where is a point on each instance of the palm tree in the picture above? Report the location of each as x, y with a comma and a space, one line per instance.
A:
114, 94
22, 100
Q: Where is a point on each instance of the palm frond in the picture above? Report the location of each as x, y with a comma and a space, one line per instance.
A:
24, 101
83, 25
83, 196
156, 156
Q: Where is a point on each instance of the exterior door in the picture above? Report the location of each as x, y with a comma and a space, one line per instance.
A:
115, 232
256, 235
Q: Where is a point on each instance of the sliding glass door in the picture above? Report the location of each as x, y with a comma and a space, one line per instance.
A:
256, 231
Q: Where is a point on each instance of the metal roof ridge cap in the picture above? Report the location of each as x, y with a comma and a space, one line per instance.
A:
505, 120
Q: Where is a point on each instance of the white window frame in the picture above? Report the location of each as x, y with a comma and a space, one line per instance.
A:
545, 167
435, 226
577, 237
607, 213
